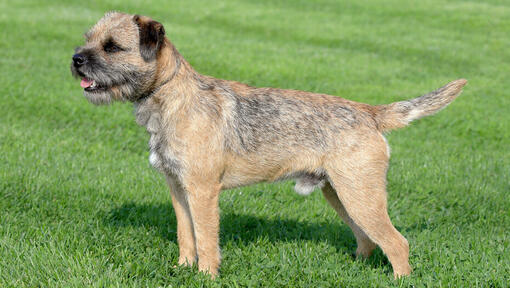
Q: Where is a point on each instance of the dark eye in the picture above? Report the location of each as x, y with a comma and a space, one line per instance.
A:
111, 47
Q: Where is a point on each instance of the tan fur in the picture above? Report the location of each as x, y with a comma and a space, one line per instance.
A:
209, 134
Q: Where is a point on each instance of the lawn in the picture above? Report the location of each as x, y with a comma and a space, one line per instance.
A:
80, 205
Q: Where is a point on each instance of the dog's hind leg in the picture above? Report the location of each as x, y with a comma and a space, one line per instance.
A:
359, 179
365, 245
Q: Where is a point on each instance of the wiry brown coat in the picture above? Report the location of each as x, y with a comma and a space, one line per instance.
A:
209, 134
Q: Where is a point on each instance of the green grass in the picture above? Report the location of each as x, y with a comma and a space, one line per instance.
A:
80, 205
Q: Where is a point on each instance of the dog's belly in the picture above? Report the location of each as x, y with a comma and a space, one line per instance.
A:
306, 183
307, 172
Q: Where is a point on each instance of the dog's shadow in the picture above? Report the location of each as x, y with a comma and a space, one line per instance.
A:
243, 228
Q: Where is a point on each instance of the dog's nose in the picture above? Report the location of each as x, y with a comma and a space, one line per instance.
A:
79, 60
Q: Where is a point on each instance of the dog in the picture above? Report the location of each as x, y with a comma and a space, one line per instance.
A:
208, 134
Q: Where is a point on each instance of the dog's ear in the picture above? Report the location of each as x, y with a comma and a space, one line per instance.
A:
152, 37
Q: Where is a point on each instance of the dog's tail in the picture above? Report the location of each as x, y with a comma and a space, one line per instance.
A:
400, 114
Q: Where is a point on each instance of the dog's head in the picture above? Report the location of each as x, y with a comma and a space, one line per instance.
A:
119, 58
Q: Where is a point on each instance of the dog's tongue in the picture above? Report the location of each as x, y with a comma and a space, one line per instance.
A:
85, 83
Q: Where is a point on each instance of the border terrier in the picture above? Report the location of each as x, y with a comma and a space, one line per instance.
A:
208, 134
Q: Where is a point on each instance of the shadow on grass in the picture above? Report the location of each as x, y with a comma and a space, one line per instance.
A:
245, 229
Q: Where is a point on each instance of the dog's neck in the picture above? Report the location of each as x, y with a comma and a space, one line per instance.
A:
172, 90
170, 101
169, 65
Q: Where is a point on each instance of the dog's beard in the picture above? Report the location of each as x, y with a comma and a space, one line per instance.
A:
99, 97
103, 85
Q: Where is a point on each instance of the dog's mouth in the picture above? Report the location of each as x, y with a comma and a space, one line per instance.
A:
91, 85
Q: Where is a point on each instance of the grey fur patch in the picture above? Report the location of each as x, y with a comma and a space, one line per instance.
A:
267, 116
161, 156
347, 115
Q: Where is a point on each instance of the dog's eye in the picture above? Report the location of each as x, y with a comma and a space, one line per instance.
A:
111, 47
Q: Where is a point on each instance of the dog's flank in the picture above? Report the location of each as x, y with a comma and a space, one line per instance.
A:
209, 134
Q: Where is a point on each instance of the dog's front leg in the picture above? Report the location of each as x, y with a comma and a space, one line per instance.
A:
203, 203
185, 233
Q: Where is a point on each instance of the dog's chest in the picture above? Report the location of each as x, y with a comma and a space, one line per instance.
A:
161, 155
